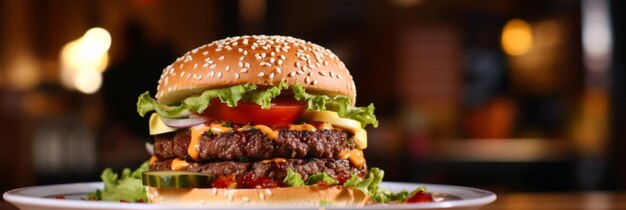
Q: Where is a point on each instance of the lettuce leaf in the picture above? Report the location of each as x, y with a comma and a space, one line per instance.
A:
247, 92
340, 104
293, 179
128, 187
315, 178
264, 98
197, 104
369, 186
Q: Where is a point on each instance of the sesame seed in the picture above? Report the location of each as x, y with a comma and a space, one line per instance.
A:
222, 57
240, 64
219, 75
236, 75
280, 62
212, 66
307, 80
218, 49
302, 58
227, 68
205, 65
245, 52
240, 49
263, 55
253, 47
260, 74
244, 70
300, 72
181, 65
214, 191
310, 73
272, 60
315, 82
268, 191
211, 73
293, 73
195, 66
278, 70
205, 53
322, 73
235, 44
182, 74
245, 42
304, 68
271, 76
298, 64
247, 65
332, 73
273, 54
311, 66
339, 76
283, 57
261, 195
199, 76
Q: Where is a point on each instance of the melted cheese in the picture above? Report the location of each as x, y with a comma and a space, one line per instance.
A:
326, 126
153, 159
355, 157
178, 164
194, 144
272, 134
302, 127
275, 160
217, 128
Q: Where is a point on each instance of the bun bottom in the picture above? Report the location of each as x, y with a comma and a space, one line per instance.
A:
335, 196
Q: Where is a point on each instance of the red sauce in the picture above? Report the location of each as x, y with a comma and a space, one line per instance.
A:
250, 181
420, 197
59, 197
223, 182
342, 178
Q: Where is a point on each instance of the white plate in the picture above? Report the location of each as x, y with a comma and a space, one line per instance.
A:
42, 198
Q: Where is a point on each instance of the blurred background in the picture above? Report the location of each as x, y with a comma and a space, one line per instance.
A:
509, 96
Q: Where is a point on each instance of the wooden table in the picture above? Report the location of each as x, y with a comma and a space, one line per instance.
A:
573, 201
534, 201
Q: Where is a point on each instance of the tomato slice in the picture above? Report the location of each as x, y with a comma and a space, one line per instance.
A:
281, 112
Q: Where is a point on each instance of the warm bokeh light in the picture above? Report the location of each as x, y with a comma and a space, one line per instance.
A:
517, 37
83, 60
88, 80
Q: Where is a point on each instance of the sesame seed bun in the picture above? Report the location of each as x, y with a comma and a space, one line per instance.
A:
260, 60
336, 196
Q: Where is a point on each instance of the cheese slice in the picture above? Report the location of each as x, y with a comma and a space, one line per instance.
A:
157, 126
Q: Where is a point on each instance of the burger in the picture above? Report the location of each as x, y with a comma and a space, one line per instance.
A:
254, 120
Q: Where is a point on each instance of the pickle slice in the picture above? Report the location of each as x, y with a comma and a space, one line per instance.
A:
177, 179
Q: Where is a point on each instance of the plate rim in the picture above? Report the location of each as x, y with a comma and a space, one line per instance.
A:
14, 197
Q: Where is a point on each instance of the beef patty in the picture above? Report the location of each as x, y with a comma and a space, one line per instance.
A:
255, 145
277, 170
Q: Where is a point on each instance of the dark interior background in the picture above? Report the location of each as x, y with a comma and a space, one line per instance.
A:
456, 106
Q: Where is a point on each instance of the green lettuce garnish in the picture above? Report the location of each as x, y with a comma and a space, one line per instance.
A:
229, 96
249, 93
264, 98
370, 186
293, 179
128, 187
316, 178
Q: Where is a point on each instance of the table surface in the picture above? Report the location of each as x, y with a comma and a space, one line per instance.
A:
527, 201
570, 200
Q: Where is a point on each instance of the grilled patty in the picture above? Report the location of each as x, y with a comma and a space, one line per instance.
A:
277, 170
255, 145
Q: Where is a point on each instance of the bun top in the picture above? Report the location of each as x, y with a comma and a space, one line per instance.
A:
260, 60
